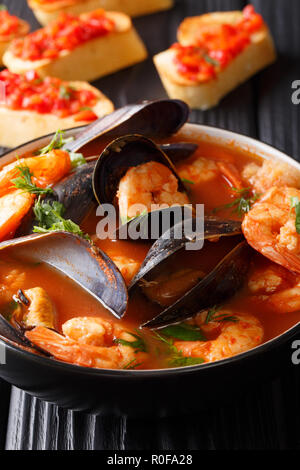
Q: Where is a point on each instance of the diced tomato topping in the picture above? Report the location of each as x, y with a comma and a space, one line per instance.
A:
66, 33
216, 46
191, 62
47, 95
9, 24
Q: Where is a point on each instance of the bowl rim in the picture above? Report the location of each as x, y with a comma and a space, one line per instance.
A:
211, 133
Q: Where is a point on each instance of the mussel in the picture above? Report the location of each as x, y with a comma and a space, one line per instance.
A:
205, 290
79, 260
176, 239
218, 286
160, 118
120, 155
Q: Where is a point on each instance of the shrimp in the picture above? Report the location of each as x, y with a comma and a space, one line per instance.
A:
89, 342
13, 208
278, 288
271, 174
200, 170
270, 228
234, 338
203, 170
146, 185
46, 169
41, 310
169, 287
128, 267
269, 280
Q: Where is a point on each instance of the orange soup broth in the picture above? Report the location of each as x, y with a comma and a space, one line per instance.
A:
72, 301
212, 194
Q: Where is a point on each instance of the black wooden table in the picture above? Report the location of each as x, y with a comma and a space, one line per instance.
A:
267, 417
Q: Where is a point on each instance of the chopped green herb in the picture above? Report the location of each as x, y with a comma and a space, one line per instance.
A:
86, 108
182, 361
213, 316
187, 181
24, 181
184, 332
132, 364
139, 343
175, 357
3, 7
9, 309
242, 204
64, 92
77, 159
57, 142
49, 216
295, 204
212, 61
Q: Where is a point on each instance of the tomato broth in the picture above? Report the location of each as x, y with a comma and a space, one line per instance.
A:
72, 301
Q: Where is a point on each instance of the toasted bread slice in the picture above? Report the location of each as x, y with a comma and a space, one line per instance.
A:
92, 59
45, 13
204, 95
18, 126
5, 41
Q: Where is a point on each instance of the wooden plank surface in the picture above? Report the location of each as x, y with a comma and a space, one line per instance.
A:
267, 417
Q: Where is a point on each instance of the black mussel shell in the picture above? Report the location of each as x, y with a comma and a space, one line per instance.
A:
120, 155
17, 336
84, 263
75, 192
178, 236
159, 119
178, 151
151, 226
218, 286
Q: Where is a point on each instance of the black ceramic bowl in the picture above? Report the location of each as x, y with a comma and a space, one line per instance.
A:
152, 392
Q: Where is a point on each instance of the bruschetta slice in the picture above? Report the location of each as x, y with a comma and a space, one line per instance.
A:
11, 27
47, 11
215, 53
36, 106
84, 47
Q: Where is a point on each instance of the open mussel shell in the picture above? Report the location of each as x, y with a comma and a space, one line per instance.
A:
120, 155
7, 331
178, 151
217, 287
75, 192
188, 230
151, 226
85, 264
159, 118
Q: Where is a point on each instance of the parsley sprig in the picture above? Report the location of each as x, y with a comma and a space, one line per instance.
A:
175, 357
242, 203
138, 344
183, 332
213, 315
295, 204
131, 365
24, 181
49, 217
58, 141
